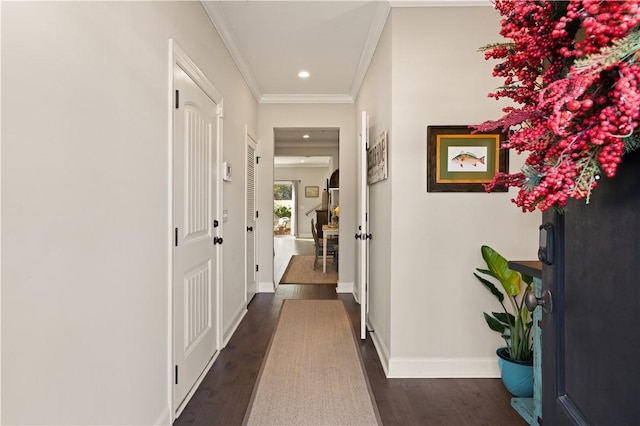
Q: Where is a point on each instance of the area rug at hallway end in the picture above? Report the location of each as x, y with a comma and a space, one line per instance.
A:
300, 271
312, 373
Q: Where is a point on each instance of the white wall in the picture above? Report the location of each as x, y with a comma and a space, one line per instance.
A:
375, 98
438, 77
307, 115
306, 176
85, 188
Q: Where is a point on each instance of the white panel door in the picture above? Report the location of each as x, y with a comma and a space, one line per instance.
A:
251, 274
362, 236
194, 260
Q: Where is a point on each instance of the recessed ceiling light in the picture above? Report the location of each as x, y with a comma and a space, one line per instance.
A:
305, 136
304, 74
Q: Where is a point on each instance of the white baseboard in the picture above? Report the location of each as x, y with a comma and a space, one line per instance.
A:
266, 287
164, 419
355, 296
237, 318
382, 350
447, 368
344, 288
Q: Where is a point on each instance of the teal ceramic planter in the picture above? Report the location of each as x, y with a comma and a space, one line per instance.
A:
517, 376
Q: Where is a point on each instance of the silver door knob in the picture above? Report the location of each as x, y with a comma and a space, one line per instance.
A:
546, 301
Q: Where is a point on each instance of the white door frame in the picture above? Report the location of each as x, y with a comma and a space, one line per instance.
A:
177, 56
363, 210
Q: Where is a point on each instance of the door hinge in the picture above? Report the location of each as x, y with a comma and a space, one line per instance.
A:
257, 268
366, 217
176, 374
257, 214
177, 99
176, 237
220, 111
257, 160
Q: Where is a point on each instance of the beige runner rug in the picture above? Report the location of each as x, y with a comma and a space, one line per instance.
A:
312, 373
300, 271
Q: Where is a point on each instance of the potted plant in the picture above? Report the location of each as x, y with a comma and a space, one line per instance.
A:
514, 323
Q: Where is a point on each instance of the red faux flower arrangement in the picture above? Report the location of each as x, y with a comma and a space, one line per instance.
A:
574, 68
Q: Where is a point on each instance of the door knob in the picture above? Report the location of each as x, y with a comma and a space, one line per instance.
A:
249, 228
217, 240
546, 301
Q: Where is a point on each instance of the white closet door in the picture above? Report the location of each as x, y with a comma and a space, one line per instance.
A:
251, 274
194, 260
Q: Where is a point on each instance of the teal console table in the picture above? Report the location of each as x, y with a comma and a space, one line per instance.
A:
531, 408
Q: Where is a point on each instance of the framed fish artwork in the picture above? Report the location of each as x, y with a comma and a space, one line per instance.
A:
459, 161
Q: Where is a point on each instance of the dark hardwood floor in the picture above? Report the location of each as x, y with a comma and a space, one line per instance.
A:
224, 394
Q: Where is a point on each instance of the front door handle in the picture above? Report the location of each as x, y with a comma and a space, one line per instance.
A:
546, 301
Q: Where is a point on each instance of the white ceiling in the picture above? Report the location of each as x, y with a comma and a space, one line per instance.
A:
316, 135
271, 41
311, 161
293, 139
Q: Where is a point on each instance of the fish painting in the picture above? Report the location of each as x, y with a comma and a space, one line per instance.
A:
467, 158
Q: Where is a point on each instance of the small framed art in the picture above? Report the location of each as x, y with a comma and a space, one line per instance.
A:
312, 191
459, 161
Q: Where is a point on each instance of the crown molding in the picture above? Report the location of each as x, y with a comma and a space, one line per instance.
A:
219, 20
375, 32
306, 99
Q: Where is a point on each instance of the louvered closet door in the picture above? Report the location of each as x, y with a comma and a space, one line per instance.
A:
194, 264
251, 221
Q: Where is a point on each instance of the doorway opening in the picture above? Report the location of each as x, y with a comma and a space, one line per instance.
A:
284, 211
304, 157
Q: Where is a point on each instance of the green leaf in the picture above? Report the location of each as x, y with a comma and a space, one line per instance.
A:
493, 323
506, 318
492, 288
486, 271
509, 279
527, 279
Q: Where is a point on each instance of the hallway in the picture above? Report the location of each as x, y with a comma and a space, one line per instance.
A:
224, 394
